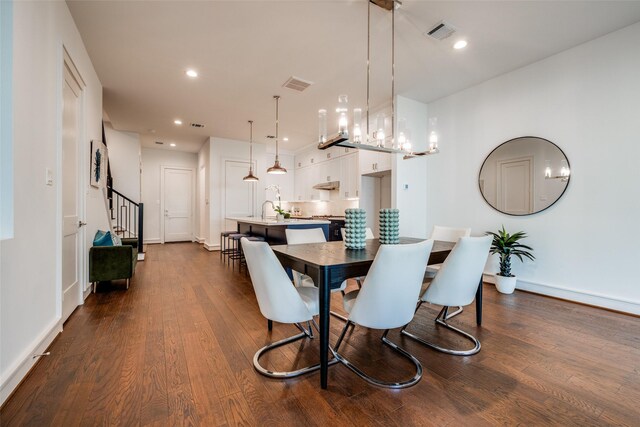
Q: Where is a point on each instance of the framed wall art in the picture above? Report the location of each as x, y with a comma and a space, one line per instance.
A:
98, 164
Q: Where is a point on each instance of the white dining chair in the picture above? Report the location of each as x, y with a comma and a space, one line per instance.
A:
456, 284
310, 235
279, 302
445, 234
301, 236
368, 233
387, 300
368, 236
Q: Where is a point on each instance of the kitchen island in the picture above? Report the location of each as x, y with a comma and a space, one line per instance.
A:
274, 231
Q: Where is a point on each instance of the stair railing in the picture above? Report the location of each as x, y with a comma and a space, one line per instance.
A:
128, 216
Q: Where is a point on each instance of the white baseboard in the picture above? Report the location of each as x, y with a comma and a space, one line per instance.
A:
211, 247
199, 239
590, 298
21, 367
152, 241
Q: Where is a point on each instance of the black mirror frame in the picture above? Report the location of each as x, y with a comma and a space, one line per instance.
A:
532, 213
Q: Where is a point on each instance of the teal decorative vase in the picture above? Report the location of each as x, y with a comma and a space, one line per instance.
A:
389, 226
355, 228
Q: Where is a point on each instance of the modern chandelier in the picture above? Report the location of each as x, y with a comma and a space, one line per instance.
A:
251, 177
276, 169
375, 140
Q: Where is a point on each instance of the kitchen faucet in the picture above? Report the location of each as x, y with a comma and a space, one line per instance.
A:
264, 204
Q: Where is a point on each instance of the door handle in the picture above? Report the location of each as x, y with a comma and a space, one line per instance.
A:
81, 224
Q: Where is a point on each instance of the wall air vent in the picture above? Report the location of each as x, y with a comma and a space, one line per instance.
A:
159, 142
296, 84
441, 31
197, 125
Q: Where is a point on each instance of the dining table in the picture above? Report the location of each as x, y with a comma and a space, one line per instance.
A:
330, 263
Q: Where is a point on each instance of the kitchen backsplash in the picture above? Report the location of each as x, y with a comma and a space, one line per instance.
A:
334, 207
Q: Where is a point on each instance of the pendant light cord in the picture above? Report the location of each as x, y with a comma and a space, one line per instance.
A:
250, 146
368, 60
277, 122
393, 73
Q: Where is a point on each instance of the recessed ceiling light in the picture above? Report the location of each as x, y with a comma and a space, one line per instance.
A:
460, 44
192, 73
173, 144
285, 139
178, 122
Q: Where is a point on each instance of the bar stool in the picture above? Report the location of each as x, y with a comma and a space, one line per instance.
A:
233, 252
224, 242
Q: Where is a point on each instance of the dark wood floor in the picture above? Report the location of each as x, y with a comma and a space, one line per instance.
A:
177, 349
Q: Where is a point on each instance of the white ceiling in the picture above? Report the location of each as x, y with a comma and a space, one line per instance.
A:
245, 50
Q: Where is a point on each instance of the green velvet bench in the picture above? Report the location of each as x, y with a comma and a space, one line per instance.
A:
113, 262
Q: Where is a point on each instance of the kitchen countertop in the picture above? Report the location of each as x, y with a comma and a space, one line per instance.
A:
272, 221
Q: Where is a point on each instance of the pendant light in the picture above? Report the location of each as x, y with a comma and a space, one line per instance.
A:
276, 169
251, 177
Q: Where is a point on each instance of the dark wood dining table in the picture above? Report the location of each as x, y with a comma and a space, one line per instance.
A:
330, 263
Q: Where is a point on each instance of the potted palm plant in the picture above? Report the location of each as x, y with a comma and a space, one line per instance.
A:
506, 245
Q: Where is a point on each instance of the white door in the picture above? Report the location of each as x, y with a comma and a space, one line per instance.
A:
178, 204
69, 178
514, 186
240, 196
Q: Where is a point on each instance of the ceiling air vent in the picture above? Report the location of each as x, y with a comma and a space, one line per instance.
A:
296, 84
441, 31
159, 142
197, 125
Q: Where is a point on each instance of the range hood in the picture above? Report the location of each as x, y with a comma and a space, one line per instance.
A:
331, 185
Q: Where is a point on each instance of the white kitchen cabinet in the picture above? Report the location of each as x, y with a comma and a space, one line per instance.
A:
349, 177
305, 179
330, 170
315, 176
301, 182
373, 161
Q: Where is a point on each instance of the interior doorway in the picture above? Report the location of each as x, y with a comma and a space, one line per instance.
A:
72, 260
177, 204
375, 194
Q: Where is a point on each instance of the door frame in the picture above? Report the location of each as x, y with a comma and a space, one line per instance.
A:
499, 191
193, 194
223, 180
65, 61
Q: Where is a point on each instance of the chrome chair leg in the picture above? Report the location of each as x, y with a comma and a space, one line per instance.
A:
339, 316
287, 374
441, 319
455, 313
395, 384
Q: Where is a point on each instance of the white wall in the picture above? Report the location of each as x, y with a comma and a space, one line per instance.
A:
6, 120
411, 201
202, 202
30, 295
152, 161
586, 101
124, 161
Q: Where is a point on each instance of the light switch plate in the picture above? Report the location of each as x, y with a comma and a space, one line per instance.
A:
49, 177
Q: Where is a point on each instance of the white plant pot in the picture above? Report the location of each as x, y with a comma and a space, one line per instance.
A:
279, 217
505, 285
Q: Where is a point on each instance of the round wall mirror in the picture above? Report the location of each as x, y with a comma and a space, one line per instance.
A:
524, 176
